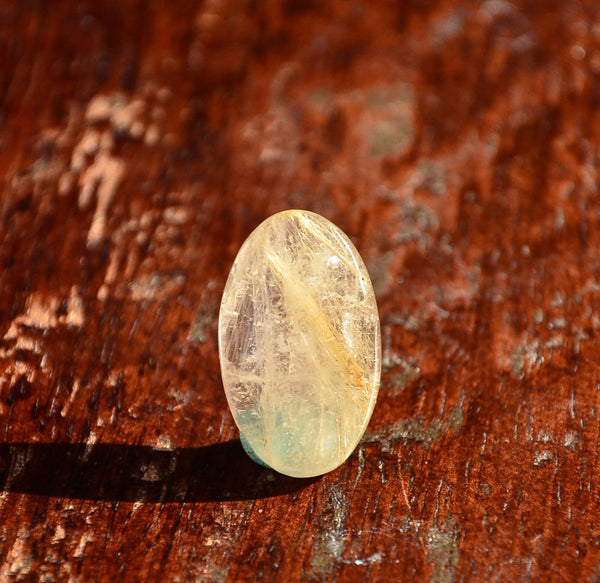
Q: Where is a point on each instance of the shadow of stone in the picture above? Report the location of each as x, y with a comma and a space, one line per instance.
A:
130, 473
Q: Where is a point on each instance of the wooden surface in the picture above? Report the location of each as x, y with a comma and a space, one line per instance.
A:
456, 143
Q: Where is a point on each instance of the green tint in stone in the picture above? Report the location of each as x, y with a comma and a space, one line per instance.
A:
299, 344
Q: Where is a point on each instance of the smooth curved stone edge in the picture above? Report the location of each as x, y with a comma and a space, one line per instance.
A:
299, 344
248, 449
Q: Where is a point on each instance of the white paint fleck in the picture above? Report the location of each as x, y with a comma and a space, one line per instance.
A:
105, 175
103, 293
570, 441
18, 559
89, 445
74, 391
75, 314
99, 109
66, 182
123, 118
374, 558
59, 533
163, 443
152, 135
176, 215
87, 146
541, 457
28, 344
545, 436
40, 312
86, 538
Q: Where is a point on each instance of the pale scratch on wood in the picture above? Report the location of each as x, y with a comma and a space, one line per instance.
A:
74, 391
105, 174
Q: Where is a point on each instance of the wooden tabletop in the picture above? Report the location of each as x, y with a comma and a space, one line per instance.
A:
458, 146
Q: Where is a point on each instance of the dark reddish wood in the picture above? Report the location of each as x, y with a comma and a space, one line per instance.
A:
457, 143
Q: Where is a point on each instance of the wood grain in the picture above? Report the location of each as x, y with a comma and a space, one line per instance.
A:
457, 144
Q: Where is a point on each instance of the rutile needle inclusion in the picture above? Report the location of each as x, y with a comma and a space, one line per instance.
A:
299, 344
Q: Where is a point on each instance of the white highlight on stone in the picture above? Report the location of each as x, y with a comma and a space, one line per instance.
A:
300, 344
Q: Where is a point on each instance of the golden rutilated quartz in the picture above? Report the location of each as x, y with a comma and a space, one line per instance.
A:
299, 344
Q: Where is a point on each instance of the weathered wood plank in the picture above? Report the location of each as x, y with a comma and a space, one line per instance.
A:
455, 143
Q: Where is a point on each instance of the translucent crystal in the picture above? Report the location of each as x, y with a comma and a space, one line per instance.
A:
300, 344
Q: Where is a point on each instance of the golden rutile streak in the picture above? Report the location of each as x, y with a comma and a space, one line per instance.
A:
299, 289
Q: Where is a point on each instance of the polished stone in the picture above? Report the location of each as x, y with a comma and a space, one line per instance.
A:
300, 344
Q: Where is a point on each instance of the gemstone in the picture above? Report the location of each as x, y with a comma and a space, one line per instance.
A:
299, 344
